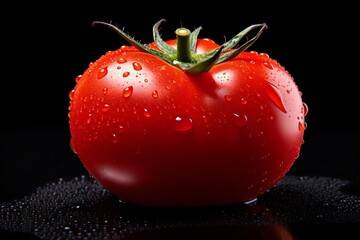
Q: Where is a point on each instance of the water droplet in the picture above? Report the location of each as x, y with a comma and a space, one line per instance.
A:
275, 96
102, 73
305, 109
71, 94
137, 66
127, 91
121, 129
88, 119
227, 98
105, 108
243, 101
268, 65
183, 123
77, 79
147, 113
155, 94
105, 91
240, 119
301, 127
115, 138
126, 74
121, 60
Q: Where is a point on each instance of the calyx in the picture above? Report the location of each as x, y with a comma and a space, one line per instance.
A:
185, 56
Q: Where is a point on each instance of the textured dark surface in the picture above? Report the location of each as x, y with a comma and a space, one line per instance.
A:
298, 207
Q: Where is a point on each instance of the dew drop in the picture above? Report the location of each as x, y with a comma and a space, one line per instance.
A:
115, 138
102, 73
275, 96
240, 119
71, 94
106, 107
105, 91
155, 94
183, 123
127, 91
268, 65
77, 79
147, 113
121, 60
243, 101
126, 74
88, 119
305, 109
121, 129
227, 98
137, 66
301, 127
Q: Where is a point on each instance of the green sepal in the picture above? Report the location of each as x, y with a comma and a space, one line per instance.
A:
198, 63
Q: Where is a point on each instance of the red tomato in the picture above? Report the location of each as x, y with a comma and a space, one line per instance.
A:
164, 135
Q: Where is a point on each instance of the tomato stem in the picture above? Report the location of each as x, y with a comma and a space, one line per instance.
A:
185, 56
183, 45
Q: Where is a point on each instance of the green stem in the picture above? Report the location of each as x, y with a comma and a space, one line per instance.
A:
183, 45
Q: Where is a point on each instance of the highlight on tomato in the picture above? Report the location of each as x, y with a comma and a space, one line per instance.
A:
187, 122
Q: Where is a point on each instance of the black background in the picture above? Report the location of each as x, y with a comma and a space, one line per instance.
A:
46, 46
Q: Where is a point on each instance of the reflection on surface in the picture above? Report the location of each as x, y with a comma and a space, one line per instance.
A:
297, 208
243, 232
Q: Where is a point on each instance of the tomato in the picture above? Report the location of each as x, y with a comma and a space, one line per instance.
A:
186, 122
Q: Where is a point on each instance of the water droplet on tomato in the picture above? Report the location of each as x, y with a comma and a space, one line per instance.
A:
121, 129
105, 91
155, 94
88, 119
121, 60
77, 79
126, 74
137, 66
268, 65
71, 94
102, 73
240, 119
227, 98
275, 96
301, 127
243, 101
147, 113
114, 138
105, 108
183, 123
305, 109
127, 91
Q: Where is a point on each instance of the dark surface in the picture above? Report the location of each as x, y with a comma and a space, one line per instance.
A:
81, 208
47, 45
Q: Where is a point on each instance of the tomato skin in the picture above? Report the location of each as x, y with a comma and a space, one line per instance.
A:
155, 135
